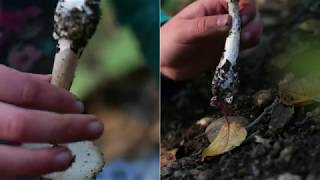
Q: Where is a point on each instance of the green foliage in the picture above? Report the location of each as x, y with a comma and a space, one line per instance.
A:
301, 54
112, 52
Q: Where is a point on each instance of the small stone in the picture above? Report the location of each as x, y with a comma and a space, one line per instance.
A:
165, 171
275, 149
204, 122
173, 165
288, 176
204, 175
178, 174
263, 98
286, 154
194, 171
280, 116
260, 140
260, 150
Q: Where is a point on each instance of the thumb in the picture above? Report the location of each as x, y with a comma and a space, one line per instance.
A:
205, 27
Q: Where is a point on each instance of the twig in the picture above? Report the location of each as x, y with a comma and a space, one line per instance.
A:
265, 112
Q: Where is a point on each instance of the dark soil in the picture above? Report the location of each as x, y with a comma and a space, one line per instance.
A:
290, 146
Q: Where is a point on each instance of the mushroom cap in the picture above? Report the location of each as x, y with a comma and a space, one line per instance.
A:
76, 20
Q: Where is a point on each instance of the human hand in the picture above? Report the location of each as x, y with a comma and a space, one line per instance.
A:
193, 40
34, 111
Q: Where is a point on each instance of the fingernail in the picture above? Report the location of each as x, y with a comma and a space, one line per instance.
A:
95, 128
223, 21
80, 106
63, 158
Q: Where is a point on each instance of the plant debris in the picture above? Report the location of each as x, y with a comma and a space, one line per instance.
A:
300, 91
225, 135
280, 116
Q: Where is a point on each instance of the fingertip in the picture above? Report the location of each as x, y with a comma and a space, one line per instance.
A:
66, 102
247, 12
18, 161
249, 40
245, 19
251, 34
95, 129
218, 23
79, 106
42, 77
63, 158
228, 21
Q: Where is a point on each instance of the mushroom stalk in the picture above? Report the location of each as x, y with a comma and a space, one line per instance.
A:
225, 81
65, 64
75, 22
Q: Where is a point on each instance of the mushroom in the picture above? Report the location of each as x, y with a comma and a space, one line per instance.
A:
75, 22
225, 81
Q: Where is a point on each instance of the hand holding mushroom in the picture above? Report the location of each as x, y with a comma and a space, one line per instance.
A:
75, 22
34, 111
193, 41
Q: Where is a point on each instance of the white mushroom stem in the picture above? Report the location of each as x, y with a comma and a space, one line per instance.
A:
75, 22
225, 80
65, 64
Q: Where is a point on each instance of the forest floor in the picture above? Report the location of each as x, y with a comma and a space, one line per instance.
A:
285, 143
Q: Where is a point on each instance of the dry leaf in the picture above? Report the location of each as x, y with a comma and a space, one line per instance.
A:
225, 135
299, 91
167, 156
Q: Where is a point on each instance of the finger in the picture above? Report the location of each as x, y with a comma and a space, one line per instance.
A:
250, 35
21, 125
41, 77
203, 8
8, 178
32, 91
16, 161
189, 31
248, 11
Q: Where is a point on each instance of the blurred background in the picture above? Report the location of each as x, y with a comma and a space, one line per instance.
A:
118, 81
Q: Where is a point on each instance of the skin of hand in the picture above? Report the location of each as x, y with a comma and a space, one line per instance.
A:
193, 41
34, 111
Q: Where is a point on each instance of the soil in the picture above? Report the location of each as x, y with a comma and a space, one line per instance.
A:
282, 142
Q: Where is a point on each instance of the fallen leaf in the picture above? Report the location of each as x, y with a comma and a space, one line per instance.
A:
301, 91
167, 156
225, 135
